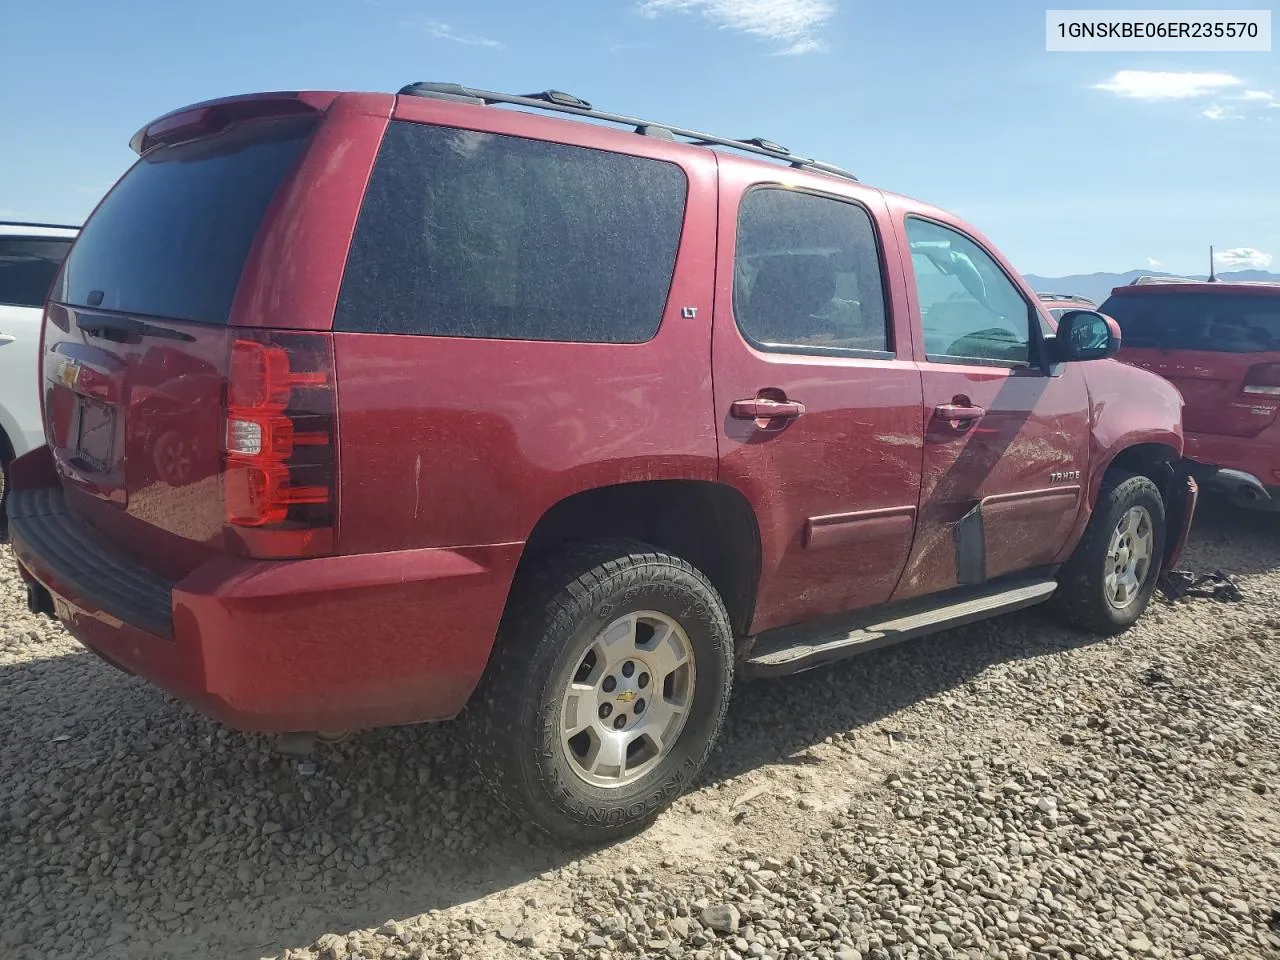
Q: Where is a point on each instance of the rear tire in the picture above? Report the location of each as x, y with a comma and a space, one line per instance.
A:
632, 649
1106, 584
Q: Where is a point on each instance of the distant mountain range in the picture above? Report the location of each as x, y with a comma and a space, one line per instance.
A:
1098, 286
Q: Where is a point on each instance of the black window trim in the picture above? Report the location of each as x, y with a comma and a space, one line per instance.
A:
24, 237
1035, 334
852, 353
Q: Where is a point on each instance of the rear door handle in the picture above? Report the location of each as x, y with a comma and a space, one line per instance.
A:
762, 408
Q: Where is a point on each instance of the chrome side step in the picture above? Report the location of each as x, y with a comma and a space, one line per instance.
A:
805, 646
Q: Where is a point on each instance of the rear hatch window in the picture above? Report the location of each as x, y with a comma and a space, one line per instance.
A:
137, 341
171, 239
1231, 323
1219, 349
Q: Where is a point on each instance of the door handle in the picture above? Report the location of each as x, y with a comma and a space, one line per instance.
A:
762, 408
960, 415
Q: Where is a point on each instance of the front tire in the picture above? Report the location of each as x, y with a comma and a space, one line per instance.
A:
606, 691
1106, 584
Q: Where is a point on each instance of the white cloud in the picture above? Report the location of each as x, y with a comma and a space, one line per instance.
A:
1216, 112
1262, 95
1152, 262
1167, 85
1243, 258
808, 45
443, 31
790, 23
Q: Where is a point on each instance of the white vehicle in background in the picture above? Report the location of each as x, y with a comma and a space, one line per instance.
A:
30, 254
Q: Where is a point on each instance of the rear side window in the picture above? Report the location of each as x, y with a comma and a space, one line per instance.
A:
807, 274
470, 234
1220, 323
172, 237
28, 266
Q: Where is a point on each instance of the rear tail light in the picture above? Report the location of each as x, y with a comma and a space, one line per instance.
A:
1263, 379
281, 444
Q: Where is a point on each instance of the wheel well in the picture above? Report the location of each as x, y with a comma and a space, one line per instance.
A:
1154, 461
6, 448
710, 525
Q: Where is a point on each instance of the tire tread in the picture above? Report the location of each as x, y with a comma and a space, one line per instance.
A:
1080, 598
546, 603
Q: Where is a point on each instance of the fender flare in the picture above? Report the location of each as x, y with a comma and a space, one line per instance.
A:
1156, 441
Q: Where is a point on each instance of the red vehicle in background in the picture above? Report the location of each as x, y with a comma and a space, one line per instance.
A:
1219, 344
372, 409
1059, 303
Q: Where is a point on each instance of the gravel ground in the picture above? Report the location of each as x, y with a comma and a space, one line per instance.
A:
1011, 789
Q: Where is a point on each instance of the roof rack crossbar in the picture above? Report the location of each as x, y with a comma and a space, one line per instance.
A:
560, 102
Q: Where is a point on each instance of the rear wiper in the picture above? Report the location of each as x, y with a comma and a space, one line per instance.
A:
123, 329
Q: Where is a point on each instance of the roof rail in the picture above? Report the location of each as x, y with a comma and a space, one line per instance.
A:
561, 102
29, 223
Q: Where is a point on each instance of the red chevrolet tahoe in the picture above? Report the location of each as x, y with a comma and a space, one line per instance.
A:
364, 409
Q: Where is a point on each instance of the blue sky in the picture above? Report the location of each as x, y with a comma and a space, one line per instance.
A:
1070, 162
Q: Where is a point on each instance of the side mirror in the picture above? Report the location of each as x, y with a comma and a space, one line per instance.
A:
1085, 335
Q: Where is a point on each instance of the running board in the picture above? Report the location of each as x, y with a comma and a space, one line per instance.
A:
805, 646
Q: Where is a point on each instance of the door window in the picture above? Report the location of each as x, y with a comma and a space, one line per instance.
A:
807, 275
969, 309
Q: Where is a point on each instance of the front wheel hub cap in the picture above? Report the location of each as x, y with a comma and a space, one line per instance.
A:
1129, 557
628, 699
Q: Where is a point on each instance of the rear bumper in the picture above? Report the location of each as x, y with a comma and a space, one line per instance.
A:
1246, 469
331, 643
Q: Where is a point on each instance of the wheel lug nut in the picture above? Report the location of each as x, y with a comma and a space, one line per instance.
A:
605, 710
643, 681
610, 684
639, 706
628, 669
620, 722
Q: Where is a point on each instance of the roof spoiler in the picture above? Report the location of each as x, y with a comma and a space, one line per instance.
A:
1145, 280
212, 116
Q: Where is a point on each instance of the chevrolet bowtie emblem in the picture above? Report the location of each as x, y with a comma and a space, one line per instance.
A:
626, 696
